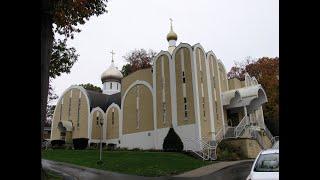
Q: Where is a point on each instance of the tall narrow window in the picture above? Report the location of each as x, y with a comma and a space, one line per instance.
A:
185, 108
97, 119
164, 112
79, 105
111, 85
183, 77
137, 108
112, 116
69, 111
203, 107
61, 108
117, 86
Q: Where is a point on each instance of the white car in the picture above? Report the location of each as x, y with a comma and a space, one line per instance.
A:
266, 166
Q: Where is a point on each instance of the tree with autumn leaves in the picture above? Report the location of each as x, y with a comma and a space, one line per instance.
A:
266, 71
61, 17
137, 59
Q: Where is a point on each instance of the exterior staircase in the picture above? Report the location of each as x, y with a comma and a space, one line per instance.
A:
208, 149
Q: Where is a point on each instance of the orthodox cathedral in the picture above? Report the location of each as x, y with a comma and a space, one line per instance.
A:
187, 89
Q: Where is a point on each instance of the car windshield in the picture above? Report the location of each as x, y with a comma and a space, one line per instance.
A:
267, 163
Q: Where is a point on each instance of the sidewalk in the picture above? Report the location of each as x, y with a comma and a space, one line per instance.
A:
206, 170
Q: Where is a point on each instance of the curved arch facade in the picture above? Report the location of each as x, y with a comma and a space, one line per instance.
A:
95, 129
73, 105
162, 88
137, 107
218, 112
185, 101
113, 120
203, 94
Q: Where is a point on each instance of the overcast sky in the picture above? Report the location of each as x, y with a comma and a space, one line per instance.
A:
232, 29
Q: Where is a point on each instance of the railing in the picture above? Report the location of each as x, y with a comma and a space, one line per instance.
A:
219, 136
229, 132
268, 133
205, 151
274, 139
241, 126
257, 136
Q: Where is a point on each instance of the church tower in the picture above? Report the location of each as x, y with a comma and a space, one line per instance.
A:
172, 38
111, 79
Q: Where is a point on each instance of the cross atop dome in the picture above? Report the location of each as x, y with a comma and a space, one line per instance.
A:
112, 53
171, 38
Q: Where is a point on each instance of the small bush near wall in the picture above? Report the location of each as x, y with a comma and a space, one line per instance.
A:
97, 145
57, 144
80, 143
172, 142
226, 152
111, 146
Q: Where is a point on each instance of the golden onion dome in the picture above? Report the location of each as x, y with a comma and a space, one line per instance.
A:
172, 35
112, 73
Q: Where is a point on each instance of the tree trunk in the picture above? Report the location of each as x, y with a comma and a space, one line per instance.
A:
46, 47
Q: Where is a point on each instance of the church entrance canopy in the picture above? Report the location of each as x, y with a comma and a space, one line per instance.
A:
65, 126
251, 97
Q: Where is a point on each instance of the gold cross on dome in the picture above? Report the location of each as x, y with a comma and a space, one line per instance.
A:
171, 22
112, 53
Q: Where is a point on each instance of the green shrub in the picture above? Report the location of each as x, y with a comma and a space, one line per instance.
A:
58, 144
172, 142
80, 143
121, 149
136, 149
111, 146
227, 152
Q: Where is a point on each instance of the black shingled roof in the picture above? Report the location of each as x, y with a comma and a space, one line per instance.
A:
103, 101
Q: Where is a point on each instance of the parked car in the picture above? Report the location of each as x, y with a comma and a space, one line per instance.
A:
265, 166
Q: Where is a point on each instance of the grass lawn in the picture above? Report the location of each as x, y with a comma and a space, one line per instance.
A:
129, 162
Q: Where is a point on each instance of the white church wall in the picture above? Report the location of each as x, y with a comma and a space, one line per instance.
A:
141, 140
184, 132
113, 141
160, 135
111, 87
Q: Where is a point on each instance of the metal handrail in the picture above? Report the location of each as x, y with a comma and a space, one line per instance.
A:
204, 146
268, 133
274, 139
241, 126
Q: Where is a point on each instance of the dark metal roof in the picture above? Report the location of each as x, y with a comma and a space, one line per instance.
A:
97, 99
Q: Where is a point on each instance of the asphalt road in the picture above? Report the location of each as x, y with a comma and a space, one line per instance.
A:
235, 172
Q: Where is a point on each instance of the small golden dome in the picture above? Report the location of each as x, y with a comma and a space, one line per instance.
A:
171, 35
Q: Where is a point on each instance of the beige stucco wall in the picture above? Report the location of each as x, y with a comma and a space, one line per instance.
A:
130, 114
248, 147
218, 124
179, 90
82, 130
223, 78
112, 129
96, 130
142, 75
266, 141
204, 110
234, 83
159, 93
